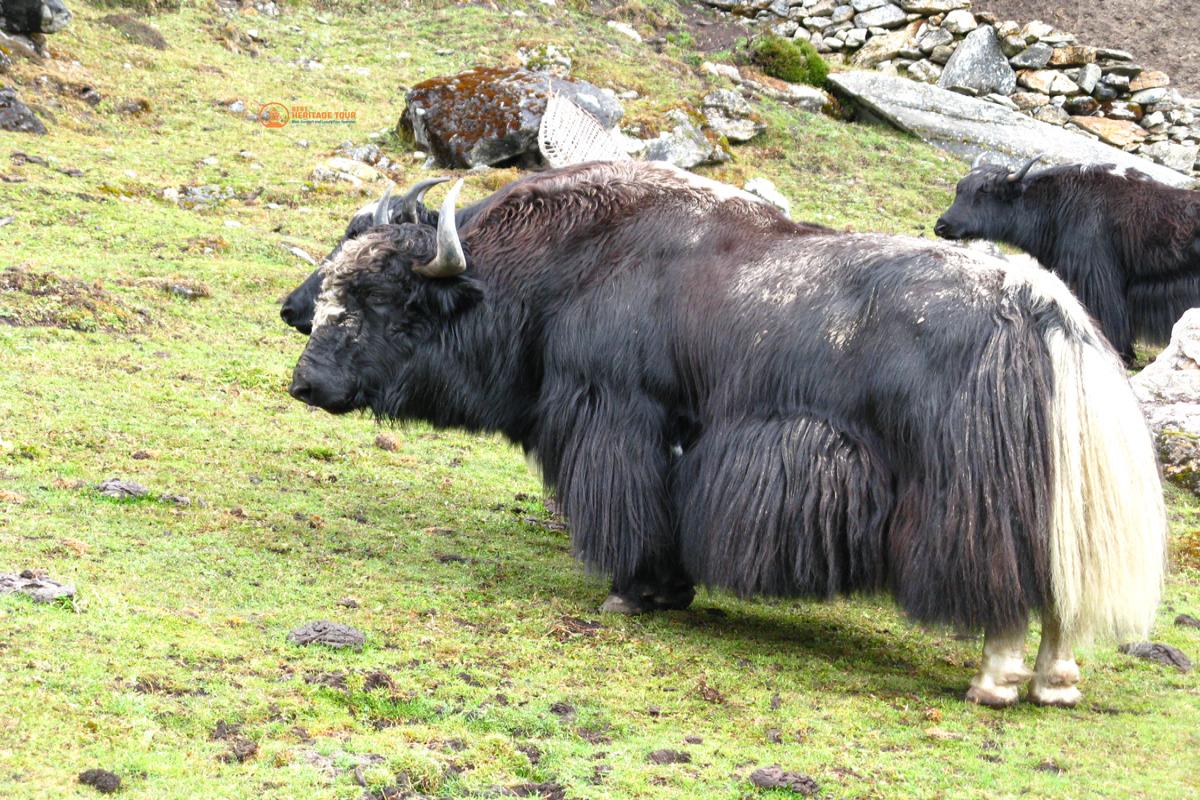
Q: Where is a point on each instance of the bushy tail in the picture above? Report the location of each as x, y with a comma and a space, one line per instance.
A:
1108, 526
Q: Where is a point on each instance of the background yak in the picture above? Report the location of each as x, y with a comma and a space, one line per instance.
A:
860, 412
1128, 246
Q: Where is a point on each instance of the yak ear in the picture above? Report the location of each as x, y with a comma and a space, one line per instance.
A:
447, 297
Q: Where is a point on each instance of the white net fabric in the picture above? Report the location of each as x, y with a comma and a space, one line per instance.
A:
570, 135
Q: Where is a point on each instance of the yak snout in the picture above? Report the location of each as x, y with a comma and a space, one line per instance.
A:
321, 388
295, 314
944, 229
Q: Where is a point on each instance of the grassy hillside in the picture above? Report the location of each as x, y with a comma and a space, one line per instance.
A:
142, 341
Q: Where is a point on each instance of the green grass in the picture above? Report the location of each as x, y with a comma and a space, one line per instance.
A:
183, 609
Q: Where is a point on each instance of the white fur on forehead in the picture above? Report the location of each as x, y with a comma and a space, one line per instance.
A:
368, 253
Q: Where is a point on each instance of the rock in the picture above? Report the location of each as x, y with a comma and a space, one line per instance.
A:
1116, 132
1051, 114
729, 115
1035, 31
979, 64
774, 777
685, 145
1026, 101
345, 170
333, 634
880, 48
1082, 105
960, 22
1148, 96
491, 116
1047, 81
803, 96
886, 16
1073, 55
546, 57
933, 37
1187, 621
925, 71
1108, 54
1035, 56
1163, 654
761, 187
121, 489
929, 7
15, 116
625, 29
867, 5
1089, 76
101, 780
968, 126
1179, 157
35, 585
1169, 391
43, 16
1149, 79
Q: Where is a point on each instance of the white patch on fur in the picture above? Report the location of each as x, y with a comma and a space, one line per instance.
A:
1056, 673
1117, 171
720, 191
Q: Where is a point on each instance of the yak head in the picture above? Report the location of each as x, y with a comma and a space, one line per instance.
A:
34, 16
382, 317
298, 307
983, 201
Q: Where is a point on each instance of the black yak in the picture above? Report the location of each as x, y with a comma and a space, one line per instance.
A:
857, 413
33, 16
1128, 246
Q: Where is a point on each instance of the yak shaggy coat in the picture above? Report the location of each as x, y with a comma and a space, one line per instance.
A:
856, 412
1128, 246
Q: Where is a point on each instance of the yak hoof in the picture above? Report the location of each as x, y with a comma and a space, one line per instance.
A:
619, 604
1058, 696
993, 696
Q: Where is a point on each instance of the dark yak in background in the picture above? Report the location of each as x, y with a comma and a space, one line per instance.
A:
856, 413
1128, 246
33, 16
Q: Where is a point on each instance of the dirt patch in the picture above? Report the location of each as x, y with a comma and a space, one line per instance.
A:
775, 777
710, 31
43, 299
666, 756
1161, 34
1164, 654
101, 780
136, 31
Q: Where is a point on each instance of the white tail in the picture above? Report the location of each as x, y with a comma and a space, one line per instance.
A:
1108, 527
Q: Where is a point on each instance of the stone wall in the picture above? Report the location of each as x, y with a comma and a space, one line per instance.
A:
1028, 67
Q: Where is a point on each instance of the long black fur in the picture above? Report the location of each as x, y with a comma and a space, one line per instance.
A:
1128, 246
856, 412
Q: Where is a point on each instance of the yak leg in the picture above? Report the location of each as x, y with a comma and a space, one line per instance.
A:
998, 682
1056, 672
656, 587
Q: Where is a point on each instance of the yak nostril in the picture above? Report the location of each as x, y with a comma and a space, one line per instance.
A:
289, 314
301, 390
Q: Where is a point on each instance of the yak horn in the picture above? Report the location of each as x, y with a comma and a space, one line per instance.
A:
978, 162
1016, 177
383, 207
449, 260
411, 202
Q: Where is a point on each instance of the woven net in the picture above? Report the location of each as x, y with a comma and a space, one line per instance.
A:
570, 135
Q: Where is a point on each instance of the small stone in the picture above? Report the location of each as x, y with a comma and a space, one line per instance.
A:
942, 54
1011, 45
1149, 79
1118, 133
930, 7
1035, 56
666, 756
925, 71
332, 634
1159, 653
774, 777
101, 780
1036, 30
1082, 105
866, 5
1089, 76
960, 22
885, 16
1073, 55
1108, 54
17, 117
1179, 157
122, 489
35, 585
1147, 96
764, 188
1051, 114
1026, 101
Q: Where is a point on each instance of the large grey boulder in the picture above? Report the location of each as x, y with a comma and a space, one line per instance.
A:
967, 126
685, 145
1169, 390
15, 116
979, 66
491, 116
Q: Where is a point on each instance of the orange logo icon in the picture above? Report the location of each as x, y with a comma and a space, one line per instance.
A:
274, 115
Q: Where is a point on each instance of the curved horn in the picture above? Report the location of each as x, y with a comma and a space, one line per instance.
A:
449, 260
978, 162
410, 203
383, 207
1015, 177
